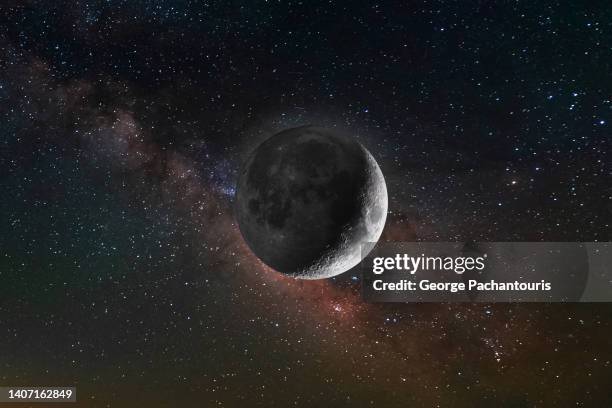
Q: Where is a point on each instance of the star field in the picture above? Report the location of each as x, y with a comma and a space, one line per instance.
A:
124, 124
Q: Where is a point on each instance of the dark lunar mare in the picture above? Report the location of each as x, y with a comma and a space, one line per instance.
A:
306, 198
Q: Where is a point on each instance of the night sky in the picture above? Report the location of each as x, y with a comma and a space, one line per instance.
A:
124, 125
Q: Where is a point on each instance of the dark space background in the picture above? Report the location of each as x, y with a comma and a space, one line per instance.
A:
123, 125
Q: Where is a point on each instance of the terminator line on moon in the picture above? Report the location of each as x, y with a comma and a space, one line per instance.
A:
307, 198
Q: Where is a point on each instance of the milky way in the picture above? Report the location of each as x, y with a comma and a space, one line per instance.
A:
124, 126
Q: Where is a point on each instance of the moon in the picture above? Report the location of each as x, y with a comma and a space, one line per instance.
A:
307, 199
